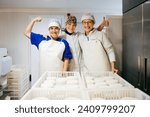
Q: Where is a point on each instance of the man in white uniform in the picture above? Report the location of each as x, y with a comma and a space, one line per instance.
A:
98, 52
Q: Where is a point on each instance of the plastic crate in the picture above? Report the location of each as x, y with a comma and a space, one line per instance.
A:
59, 80
19, 68
118, 94
104, 80
51, 94
18, 81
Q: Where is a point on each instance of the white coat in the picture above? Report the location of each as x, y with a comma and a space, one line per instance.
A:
97, 51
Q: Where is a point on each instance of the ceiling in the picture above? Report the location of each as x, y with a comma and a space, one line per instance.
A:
81, 5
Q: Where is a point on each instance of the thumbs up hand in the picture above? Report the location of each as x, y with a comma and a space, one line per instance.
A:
105, 22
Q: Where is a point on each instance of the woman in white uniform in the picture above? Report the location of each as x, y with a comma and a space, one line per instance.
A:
72, 38
55, 52
98, 52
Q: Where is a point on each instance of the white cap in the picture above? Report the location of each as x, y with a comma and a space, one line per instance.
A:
54, 23
88, 16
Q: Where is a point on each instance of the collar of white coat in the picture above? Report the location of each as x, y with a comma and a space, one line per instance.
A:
92, 31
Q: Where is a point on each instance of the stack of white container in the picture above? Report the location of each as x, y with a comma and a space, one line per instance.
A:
18, 81
73, 86
110, 86
57, 86
104, 80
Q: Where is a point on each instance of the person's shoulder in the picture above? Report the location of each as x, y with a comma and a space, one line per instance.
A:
81, 34
65, 43
77, 33
36, 34
63, 40
42, 37
100, 33
62, 36
95, 31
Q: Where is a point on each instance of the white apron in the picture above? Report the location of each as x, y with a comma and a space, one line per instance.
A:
95, 57
75, 50
51, 54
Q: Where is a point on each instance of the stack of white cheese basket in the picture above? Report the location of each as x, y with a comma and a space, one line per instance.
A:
57, 86
73, 86
18, 81
110, 86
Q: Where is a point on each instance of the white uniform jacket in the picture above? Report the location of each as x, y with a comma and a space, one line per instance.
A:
97, 51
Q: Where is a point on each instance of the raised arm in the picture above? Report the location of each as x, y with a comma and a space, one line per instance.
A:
103, 24
30, 26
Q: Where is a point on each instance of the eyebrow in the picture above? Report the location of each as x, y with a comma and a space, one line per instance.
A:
54, 27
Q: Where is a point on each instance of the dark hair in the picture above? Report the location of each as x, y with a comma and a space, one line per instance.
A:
71, 19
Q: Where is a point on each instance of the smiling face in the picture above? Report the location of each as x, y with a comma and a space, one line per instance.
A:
88, 25
54, 32
71, 23
70, 27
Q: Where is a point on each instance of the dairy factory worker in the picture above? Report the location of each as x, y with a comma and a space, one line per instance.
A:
55, 52
98, 52
72, 38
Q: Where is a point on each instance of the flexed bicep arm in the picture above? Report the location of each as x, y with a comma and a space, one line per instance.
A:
29, 27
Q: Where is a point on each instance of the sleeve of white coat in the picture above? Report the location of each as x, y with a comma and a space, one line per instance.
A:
108, 47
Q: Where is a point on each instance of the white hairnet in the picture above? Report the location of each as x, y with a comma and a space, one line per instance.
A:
54, 23
88, 16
